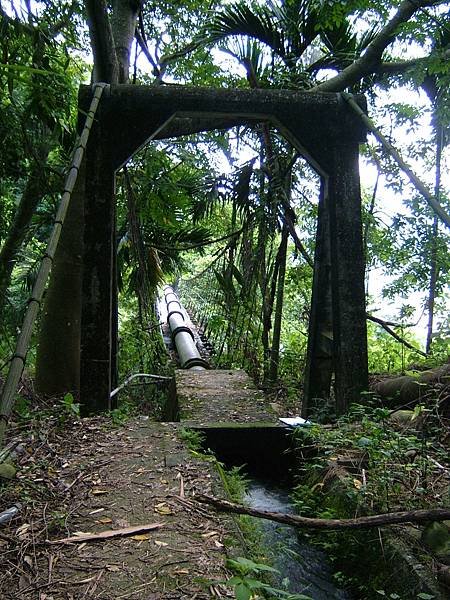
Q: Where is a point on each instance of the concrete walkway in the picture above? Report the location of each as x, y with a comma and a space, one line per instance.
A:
220, 396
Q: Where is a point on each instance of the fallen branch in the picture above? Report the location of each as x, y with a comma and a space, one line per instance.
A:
407, 516
385, 326
110, 533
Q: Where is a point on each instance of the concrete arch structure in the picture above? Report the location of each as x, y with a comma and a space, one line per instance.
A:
324, 130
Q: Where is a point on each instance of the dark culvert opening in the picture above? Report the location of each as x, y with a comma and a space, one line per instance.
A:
271, 463
266, 452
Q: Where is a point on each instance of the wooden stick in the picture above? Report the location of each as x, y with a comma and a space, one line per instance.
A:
418, 184
407, 516
110, 533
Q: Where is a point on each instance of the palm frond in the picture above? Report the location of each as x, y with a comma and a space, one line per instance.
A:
240, 19
341, 46
241, 189
248, 52
299, 20
211, 195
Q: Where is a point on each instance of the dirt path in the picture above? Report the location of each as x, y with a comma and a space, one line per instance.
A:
91, 477
138, 474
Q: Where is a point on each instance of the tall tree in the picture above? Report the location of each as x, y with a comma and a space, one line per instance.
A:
35, 117
58, 362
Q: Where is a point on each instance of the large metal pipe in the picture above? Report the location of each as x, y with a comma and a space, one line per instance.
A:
182, 334
173, 305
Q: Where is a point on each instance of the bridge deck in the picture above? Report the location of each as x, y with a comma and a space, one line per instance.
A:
220, 396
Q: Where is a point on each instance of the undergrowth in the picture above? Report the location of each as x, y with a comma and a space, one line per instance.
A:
367, 463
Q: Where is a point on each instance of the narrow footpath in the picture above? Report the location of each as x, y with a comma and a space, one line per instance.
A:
140, 474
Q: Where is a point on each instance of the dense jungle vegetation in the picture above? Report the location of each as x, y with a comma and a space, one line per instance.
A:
229, 217
246, 187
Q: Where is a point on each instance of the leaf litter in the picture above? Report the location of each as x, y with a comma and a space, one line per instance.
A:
67, 477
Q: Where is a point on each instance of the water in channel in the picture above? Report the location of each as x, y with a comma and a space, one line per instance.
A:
305, 566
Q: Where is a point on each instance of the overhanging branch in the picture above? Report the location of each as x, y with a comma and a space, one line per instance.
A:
369, 61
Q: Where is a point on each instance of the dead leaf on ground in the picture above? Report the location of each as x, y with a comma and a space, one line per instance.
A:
110, 533
163, 509
210, 534
22, 530
113, 568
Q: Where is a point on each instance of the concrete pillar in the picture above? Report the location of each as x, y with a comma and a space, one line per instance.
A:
347, 276
97, 334
319, 358
337, 333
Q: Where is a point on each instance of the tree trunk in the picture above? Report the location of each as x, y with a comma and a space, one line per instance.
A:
268, 303
106, 67
434, 267
123, 24
275, 350
17, 234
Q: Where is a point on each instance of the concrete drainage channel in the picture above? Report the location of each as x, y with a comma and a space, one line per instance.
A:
268, 459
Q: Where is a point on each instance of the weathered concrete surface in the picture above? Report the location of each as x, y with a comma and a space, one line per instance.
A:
220, 396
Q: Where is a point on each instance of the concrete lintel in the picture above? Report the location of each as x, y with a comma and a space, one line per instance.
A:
136, 113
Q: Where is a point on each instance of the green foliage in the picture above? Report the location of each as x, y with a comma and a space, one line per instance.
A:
247, 583
397, 461
141, 348
70, 408
392, 470
385, 353
125, 411
193, 439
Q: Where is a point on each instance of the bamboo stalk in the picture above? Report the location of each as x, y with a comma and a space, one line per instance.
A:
23, 341
419, 185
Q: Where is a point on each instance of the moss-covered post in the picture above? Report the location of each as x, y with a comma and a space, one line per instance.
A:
97, 333
347, 275
319, 358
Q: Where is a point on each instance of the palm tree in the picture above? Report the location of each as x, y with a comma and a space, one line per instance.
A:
293, 36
